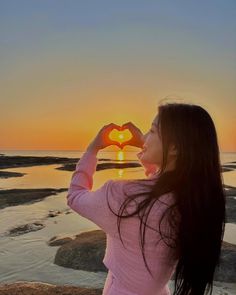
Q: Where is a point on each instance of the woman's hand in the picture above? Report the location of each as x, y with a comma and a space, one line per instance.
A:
102, 139
137, 136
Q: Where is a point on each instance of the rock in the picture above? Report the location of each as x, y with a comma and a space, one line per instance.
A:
229, 190
230, 193
13, 197
54, 213
85, 252
29, 161
68, 211
59, 240
226, 272
232, 166
25, 228
226, 169
102, 166
8, 174
230, 209
68, 164
39, 288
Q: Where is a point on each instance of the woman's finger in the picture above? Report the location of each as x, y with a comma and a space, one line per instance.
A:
113, 125
129, 142
114, 143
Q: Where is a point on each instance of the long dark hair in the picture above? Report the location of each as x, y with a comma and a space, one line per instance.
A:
197, 186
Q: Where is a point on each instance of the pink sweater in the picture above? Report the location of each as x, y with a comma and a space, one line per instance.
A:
125, 263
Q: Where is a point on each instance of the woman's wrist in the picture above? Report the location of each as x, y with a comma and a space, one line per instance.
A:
92, 149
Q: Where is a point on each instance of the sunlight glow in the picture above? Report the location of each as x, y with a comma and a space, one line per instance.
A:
120, 136
121, 172
120, 156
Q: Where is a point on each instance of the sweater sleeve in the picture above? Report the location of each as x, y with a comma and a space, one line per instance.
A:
87, 203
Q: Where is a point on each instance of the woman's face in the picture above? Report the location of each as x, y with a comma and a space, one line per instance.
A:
152, 147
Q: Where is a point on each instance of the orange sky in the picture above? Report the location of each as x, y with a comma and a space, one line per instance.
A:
72, 126
67, 71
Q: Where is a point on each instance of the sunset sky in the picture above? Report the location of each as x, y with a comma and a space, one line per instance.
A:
70, 67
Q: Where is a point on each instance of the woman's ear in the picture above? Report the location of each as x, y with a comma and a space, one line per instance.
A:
173, 151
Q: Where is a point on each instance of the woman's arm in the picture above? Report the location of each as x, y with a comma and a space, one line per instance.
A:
87, 203
93, 204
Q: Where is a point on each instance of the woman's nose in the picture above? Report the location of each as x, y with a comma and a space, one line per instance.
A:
144, 137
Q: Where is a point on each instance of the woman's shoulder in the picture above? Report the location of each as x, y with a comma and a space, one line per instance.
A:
132, 185
142, 187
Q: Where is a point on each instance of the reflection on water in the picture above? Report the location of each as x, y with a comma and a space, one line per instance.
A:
121, 173
230, 178
120, 155
43, 176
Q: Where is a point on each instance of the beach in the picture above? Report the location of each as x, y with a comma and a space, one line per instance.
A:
33, 209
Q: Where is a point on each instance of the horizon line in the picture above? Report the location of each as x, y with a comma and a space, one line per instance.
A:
85, 150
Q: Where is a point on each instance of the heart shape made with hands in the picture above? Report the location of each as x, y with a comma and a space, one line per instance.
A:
120, 136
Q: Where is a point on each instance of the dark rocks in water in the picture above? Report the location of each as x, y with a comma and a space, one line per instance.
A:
8, 174
85, 252
40, 288
226, 272
13, 197
232, 166
230, 193
231, 209
54, 213
226, 169
25, 228
102, 166
28, 161
68, 163
60, 240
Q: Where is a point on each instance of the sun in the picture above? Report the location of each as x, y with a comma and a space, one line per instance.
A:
120, 136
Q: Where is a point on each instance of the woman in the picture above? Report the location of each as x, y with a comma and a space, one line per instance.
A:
172, 222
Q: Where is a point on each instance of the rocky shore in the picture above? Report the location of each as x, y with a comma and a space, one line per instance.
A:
36, 225
85, 251
13, 197
39, 288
